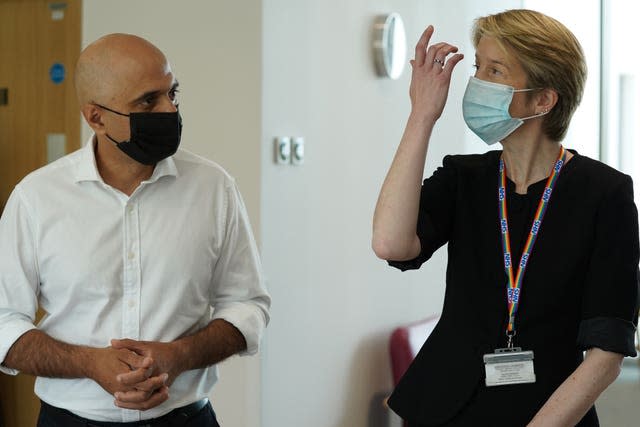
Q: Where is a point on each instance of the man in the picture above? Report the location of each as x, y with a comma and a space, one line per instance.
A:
143, 259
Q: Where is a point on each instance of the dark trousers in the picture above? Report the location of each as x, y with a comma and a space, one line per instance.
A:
51, 416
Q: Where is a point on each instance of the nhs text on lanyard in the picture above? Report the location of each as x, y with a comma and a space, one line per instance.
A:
511, 365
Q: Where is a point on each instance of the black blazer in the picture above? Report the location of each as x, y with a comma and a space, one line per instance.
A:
580, 289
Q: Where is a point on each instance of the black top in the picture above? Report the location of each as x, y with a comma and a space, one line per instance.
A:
580, 288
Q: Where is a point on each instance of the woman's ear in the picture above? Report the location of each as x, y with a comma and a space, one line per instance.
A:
93, 116
547, 99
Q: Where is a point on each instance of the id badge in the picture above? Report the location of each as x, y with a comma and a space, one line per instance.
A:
509, 366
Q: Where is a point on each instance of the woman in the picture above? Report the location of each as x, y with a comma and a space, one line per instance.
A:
542, 242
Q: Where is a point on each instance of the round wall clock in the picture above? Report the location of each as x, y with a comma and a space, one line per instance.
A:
389, 45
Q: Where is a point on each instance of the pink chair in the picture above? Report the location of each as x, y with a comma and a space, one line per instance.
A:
406, 341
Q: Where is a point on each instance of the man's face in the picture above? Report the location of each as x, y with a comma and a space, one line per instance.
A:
139, 86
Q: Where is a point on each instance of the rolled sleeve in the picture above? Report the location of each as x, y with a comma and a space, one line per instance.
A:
18, 275
13, 328
610, 301
248, 318
239, 294
609, 334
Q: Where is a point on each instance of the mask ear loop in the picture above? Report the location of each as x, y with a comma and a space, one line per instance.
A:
113, 111
113, 140
540, 114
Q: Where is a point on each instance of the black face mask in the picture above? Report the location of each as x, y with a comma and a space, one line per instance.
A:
154, 136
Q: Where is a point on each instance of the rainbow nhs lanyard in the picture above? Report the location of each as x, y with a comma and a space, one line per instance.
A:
515, 285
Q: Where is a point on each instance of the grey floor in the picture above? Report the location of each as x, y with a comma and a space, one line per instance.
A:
619, 405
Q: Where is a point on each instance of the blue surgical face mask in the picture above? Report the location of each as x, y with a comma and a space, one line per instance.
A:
485, 108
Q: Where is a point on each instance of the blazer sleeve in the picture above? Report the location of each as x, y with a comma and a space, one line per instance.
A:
610, 299
435, 215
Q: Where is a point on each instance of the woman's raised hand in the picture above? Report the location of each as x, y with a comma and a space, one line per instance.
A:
396, 215
431, 76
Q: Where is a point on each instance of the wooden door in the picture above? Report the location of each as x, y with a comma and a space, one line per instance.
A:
39, 118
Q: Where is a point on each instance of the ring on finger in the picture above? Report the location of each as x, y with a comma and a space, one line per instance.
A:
438, 61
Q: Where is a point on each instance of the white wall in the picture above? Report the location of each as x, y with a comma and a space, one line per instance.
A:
335, 304
584, 132
214, 48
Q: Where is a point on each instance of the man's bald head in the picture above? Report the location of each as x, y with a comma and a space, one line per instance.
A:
112, 66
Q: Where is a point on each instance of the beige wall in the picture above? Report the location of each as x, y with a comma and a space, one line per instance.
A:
214, 47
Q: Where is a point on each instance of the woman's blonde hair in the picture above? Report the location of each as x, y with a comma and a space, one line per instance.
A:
550, 55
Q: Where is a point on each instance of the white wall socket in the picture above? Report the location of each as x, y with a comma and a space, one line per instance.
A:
297, 150
282, 150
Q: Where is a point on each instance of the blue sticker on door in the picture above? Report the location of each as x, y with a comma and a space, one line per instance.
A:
57, 73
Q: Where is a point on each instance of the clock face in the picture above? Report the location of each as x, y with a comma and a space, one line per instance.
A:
389, 45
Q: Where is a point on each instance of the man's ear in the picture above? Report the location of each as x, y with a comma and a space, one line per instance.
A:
93, 116
547, 99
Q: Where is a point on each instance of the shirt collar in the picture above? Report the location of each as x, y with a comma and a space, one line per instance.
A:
87, 170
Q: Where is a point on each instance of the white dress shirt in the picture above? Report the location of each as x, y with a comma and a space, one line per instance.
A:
155, 266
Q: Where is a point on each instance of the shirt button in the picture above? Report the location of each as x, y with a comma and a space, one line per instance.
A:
130, 209
132, 303
131, 255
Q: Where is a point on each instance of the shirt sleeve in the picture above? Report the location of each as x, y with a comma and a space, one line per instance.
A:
610, 300
18, 275
239, 295
435, 214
